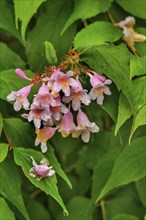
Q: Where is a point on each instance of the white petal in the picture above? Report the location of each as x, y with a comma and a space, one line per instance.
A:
66, 91
85, 99
17, 105
85, 136
37, 122
11, 96
25, 104
76, 105
94, 128
43, 147
37, 141
100, 99
107, 90
92, 95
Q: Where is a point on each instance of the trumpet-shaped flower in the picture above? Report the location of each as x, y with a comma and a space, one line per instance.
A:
20, 98
21, 74
99, 84
42, 170
43, 135
67, 125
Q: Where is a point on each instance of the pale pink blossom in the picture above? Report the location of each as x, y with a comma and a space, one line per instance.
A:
42, 170
84, 127
67, 125
20, 98
99, 84
43, 135
21, 74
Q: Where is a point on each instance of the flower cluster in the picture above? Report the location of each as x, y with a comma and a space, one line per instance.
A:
42, 170
60, 94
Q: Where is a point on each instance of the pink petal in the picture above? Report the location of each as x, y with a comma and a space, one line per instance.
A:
20, 73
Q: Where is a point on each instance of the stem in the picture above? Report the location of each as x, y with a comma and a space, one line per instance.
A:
85, 23
8, 140
111, 18
102, 205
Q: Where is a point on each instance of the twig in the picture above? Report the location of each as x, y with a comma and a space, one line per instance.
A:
102, 205
111, 18
85, 23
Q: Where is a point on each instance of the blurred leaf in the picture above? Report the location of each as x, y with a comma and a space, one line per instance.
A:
10, 81
79, 208
3, 151
20, 133
50, 53
124, 112
36, 209
1, 124
98, 33
84, 9
9, 59
53, 160
5, 211
136, 8
48, 184
140, 186
7, 21
123, 216
129, 167
24, 10
11, 185
48, 28
137, 66
139, 120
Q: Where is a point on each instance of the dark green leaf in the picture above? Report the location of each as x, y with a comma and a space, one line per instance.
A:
50, 53
129, 167
3, 151
5, 211
48, 184
98, 33
24, 10
134, 7
140, 186
1, 124
11, 185
137, 66
86, 9
9, 59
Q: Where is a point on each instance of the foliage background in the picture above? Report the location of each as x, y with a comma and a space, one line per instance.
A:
107, 176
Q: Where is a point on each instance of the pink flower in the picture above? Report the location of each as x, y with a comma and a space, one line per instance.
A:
42, 170
99, 84
20, 73
84, 127
20, 98
67, 125
63, 81
129, 21
78, 95
43, 135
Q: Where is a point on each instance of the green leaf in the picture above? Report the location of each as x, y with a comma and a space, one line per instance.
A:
1, 124
123, 216
124, 112
139, 120
24, 10
5, 211
136, 8
20, 133
79, 208
98, 33
10, 81
9, 59
7, 21
129, 167
53, 160
3, 151
11, 185
50, 53
48, 28
140, 187
84, 9
137, 66
48, 185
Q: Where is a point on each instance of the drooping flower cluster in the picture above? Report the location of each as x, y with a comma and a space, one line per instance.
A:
60, 93
41, 170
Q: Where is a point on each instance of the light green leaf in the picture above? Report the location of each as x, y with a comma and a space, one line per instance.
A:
139, 120
20, 133
5, 211
10, 81
7, 21
9, 59
48, 184
86, 9
137, 66
11, 185
50, 53
98, 33
124, 112
53, 160
24, 10
1, 124
123, 216
134, 7
129, 167
145, 217
48, 28
3, 151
